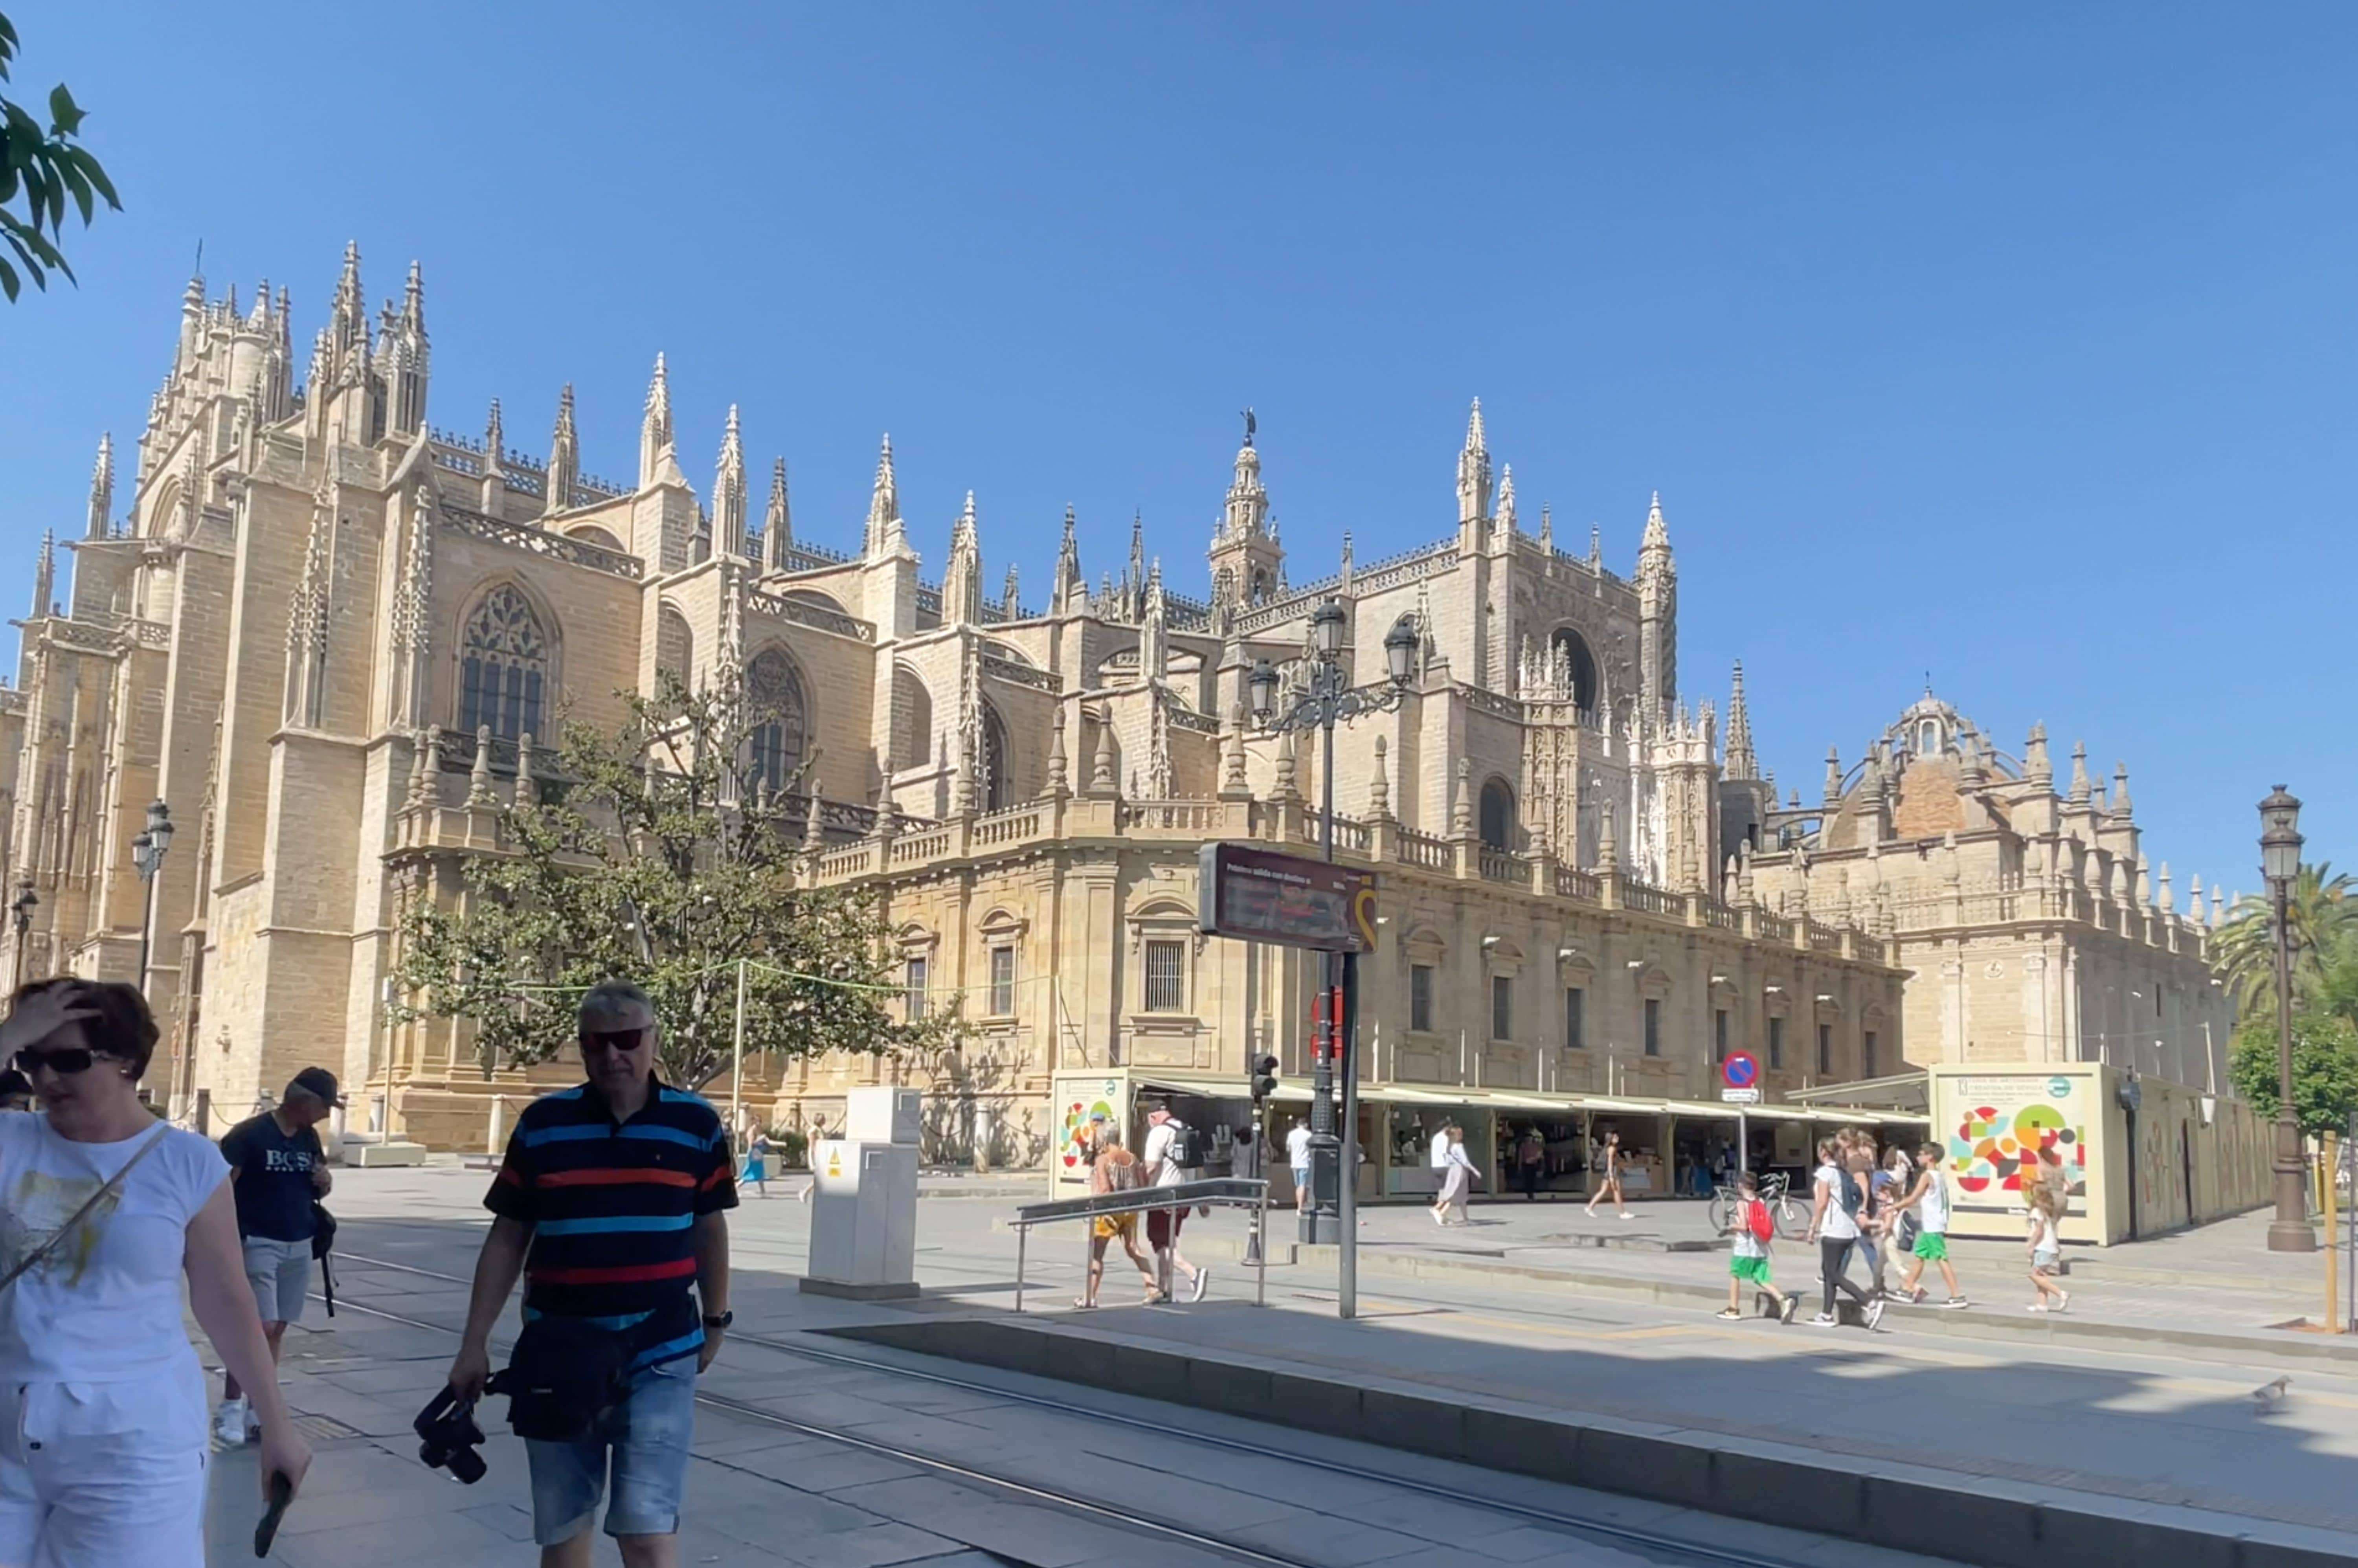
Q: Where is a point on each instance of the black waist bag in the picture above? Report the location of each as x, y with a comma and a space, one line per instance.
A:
563, 1374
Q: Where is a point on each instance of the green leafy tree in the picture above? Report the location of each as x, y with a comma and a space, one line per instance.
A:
2321, 913
2324, 1068
656, 855
42, 169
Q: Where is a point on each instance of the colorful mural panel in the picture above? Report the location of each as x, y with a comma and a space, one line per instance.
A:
2007, 1121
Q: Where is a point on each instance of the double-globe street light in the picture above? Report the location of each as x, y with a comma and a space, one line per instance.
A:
2280, 864
148, 850
1329, 699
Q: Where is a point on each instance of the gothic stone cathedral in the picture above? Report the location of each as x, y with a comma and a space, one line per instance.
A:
329, 635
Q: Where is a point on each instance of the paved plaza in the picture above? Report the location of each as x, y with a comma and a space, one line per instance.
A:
1531, 1300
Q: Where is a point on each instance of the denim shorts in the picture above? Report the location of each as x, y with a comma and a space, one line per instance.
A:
647, 1437
280, 1273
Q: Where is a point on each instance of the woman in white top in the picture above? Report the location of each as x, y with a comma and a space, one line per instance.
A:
1835, 1231
103, 1454
1457, 1176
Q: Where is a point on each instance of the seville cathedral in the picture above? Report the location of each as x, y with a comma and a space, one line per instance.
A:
330, 636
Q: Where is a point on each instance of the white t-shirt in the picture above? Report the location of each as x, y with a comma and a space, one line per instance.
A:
1157, 1155
1440, 1149
1297, 1146
102, 1313
1837, 1224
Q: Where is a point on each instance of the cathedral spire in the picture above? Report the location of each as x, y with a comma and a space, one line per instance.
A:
413, 301
494, 439
1834, 774
883, 503
962, 577
564, 459
778, 523
45, 575
102, 489
1474, 471
2121, 791
1133, 584
2079, 789
348, 319
1741, 762
1507, 499
729, 492
1658, 533
1069, 587
1010, 605
654, 424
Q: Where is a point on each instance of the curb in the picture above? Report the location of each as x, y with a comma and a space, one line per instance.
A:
1968, 1323
1910, 1512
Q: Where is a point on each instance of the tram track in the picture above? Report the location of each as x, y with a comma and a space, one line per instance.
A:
1596, 1532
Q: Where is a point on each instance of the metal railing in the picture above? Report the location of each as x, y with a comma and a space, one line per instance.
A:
1223, 1192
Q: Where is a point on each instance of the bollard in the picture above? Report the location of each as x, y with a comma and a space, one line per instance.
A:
2333, 1262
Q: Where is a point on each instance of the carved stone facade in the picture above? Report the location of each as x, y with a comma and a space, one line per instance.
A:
333, 636
2033, 926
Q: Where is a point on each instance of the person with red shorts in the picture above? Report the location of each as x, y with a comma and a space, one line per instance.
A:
1170, 1156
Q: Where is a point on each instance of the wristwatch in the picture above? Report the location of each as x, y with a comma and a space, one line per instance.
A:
723, 1321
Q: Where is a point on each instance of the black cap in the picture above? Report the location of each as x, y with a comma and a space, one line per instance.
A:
316, 1082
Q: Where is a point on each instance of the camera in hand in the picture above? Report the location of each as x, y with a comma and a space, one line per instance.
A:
448, 1437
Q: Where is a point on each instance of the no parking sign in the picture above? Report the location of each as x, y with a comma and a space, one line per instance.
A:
1739, 1077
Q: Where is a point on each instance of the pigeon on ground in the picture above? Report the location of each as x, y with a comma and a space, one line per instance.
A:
2268, 1394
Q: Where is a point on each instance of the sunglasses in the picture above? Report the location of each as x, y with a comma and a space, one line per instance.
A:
616, 1040
65, 1061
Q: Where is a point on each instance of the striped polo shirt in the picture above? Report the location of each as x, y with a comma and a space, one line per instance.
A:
613, 1208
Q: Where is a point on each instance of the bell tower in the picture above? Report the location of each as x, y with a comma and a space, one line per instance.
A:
1246, 562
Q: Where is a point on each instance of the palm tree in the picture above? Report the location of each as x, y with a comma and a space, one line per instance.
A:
2321, 913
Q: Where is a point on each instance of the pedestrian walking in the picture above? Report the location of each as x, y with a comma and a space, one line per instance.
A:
1607, 1171
1113, 1169
277, 1173
1887, 1184
613, 1204
102, 1210
1929, 1201
810, 1157
1751, 1230
1833, 1225
1530, 1162
757, 1163
1174, 1154
1297, 1156
2044, 1241
1458, 1175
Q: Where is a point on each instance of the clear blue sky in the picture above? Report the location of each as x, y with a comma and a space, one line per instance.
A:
2012, 345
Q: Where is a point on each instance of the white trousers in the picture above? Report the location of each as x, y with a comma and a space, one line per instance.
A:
113, 1499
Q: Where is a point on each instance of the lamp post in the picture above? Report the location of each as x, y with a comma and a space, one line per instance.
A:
2280, 864
147, 849
20, 917
1329, 699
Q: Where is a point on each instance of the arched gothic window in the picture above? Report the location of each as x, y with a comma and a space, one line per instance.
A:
774, 702
1497, 815
502, 667
675, 644
993, 791
1570, 662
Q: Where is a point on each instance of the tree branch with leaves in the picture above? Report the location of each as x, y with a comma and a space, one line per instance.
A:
660, 854
41, 170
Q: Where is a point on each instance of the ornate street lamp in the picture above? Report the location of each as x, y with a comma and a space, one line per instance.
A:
148, 850
1328, 699
2280, 864
20, 917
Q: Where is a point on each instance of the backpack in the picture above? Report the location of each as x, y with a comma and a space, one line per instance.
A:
1755, 1220
1849, 1193
1187, 1148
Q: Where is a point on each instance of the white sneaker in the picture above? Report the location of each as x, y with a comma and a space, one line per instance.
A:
1874, 1312
229, 1422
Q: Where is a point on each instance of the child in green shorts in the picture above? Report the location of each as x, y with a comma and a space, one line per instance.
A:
1751, 1228
1931, 1200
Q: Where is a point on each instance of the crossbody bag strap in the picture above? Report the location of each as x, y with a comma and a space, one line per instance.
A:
112, 1185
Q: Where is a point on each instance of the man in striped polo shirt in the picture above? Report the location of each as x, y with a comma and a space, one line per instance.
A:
610, 1204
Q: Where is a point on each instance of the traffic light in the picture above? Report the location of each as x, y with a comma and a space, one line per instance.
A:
1264, 1077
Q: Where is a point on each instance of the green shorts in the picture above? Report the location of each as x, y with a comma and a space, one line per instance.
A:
1753, 1268
1930, 1246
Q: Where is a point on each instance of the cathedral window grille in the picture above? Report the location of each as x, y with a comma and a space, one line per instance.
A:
1575, 1033
504, 667
1002, 982
774, 703
1867, 1056
1502, 1008
1775, 1045
912, 990
1825, 1049
1420, 997
1166, 977
1719, 1034
1653, 1027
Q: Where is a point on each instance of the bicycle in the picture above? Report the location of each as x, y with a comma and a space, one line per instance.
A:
1787, 1213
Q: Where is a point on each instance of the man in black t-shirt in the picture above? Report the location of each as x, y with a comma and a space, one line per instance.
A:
277, 1171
